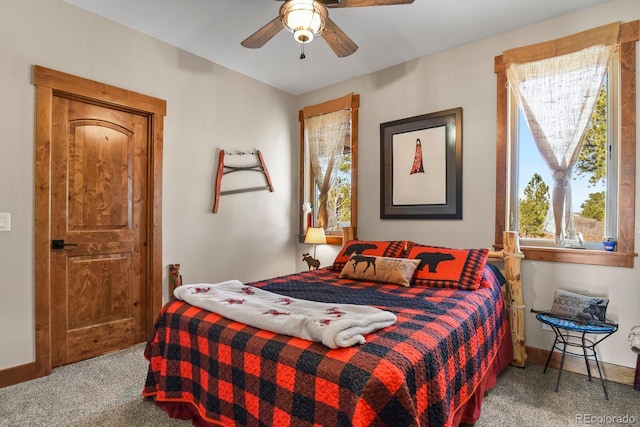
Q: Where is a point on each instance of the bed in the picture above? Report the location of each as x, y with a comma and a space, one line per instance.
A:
431, 367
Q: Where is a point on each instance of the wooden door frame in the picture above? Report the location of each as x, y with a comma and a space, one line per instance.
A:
50, 83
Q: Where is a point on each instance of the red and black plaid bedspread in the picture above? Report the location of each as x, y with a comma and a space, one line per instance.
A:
417, 372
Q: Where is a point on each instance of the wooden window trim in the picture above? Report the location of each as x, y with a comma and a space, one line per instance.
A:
624, 255
352, 102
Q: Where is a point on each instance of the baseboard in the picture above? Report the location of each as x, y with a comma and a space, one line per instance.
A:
610, 372
17, 374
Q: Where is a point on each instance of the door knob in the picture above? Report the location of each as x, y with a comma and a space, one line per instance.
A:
60, 244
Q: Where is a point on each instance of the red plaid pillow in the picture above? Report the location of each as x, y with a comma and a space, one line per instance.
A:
385, 248
448, 268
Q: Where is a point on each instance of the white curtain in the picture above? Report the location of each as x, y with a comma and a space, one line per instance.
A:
325, 135
556, 84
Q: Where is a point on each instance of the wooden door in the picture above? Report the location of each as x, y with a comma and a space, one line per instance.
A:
98, 209
98, 221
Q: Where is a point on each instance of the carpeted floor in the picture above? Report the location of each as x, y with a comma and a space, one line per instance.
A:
105, 391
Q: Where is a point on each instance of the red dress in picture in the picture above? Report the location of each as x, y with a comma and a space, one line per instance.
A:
417, 159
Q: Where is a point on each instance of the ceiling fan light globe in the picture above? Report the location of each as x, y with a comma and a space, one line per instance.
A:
304, 18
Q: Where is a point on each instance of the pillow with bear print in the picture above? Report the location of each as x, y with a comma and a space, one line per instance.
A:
448, 268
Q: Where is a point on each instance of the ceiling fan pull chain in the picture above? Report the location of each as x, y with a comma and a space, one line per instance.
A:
302, 55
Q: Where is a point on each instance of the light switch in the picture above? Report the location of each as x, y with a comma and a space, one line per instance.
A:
5, 221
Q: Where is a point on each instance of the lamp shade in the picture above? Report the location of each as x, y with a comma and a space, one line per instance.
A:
315, 236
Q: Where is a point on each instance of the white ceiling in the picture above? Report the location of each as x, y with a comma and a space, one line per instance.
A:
386, 35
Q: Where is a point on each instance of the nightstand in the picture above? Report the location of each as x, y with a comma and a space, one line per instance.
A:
572, 334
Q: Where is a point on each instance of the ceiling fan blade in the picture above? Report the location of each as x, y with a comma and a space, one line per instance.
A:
263, 35
363, 3
337, 40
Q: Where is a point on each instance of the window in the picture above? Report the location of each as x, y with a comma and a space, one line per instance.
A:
328, 166
525, 182
593, 178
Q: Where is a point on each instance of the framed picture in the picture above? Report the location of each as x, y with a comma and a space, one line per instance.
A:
421, 167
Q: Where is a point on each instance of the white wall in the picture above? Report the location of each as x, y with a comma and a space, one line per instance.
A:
464, 77
208, 107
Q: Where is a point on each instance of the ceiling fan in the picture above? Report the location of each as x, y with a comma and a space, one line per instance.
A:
307, 19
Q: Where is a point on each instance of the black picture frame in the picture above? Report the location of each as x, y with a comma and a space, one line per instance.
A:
429, 186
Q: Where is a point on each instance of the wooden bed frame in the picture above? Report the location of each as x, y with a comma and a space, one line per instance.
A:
514, 300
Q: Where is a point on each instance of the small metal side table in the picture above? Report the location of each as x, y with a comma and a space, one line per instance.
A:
572, 333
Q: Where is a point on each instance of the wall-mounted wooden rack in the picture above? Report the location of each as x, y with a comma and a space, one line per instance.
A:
226, 169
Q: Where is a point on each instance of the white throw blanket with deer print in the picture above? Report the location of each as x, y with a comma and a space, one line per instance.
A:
334, 325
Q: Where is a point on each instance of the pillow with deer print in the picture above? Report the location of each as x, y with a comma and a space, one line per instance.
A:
386, 248
397, 271
581, 306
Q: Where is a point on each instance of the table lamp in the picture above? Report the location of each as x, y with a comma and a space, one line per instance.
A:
315, 236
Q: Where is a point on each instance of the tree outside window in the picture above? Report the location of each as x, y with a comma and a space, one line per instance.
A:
534, 207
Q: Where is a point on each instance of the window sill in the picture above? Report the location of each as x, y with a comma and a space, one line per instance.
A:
578, 256
331, 239
334, 240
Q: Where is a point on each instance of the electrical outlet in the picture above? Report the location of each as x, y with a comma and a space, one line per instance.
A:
5, 221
